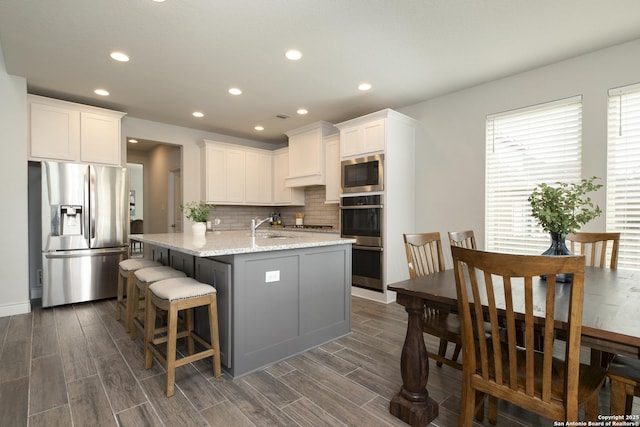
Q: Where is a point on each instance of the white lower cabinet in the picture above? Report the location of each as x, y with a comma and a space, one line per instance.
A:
61, 130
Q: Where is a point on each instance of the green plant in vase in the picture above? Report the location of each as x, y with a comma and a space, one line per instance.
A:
562, 209
198, 212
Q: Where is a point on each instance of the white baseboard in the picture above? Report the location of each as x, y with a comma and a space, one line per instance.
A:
13, 309
383, 297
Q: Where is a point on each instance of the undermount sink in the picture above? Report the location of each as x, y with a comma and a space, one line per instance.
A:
274, 236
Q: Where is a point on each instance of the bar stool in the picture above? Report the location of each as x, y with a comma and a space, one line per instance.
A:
624, 373
125, 278
143, 278
174, 295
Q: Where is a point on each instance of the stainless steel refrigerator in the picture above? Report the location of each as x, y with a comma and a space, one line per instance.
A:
84, 231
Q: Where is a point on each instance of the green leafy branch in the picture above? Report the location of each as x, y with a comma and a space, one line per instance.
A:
564, 208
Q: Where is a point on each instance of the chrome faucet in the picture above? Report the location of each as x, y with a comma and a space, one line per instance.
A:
255, 223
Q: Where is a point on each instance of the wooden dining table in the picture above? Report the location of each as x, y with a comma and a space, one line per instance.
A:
611, 318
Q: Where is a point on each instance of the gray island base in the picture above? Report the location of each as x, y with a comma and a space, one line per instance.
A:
278, 294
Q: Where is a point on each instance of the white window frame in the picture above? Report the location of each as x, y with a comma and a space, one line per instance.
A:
525, 147
623, 172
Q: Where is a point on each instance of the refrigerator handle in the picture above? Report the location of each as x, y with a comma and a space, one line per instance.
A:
91, 192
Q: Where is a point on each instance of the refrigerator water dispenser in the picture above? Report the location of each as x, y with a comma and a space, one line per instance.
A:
71, 224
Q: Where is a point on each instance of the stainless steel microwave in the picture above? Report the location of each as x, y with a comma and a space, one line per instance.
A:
363, 174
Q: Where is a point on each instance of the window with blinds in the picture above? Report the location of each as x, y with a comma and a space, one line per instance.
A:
623, 172
524, 148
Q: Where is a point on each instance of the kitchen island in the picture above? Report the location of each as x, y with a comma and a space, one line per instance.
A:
279, 293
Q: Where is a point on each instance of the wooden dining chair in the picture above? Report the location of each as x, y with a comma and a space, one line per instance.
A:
424, 256
594, 246
463, 239
624, 373
494, 364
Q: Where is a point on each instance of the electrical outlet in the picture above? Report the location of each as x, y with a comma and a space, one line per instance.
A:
272, 276
217, 221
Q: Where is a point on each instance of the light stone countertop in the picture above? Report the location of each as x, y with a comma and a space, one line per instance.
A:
217, 243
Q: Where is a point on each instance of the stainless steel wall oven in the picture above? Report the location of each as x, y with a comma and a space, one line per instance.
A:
361, 219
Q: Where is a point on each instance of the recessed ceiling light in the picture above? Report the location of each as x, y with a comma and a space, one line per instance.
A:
364, 86
235, 91
119, 56
158, 1
259, 128
197, 114
101, 92
293, 54
133, 141
302, 111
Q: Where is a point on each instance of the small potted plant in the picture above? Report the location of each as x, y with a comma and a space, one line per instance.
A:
198, 212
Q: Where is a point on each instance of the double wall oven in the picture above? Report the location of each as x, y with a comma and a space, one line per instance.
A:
361, 218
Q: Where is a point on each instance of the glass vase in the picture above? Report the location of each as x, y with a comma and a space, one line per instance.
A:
558, 247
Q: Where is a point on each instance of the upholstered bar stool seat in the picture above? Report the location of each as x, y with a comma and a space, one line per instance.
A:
624, 373
125, 279
143, 278
174, 295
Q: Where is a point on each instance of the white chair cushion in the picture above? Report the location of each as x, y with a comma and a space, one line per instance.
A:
133, 264
180, 288
154, 274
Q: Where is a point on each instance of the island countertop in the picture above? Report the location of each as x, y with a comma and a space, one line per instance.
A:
217, 243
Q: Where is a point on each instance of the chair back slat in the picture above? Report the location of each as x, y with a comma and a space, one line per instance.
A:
596, 248
424, 253
514, 305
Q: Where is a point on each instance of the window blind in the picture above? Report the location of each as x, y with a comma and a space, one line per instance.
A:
524, 148
623, 172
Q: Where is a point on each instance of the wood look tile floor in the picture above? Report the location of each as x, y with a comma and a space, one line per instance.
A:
75, 366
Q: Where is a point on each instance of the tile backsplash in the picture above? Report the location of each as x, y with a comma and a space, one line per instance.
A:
316, 212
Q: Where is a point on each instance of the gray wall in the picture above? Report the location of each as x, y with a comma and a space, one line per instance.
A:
14, 256
450, 169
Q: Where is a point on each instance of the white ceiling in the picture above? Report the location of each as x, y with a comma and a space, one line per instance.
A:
185, 54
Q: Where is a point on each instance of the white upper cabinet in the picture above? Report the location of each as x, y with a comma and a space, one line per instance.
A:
360, 139
283, 195
307, 154
332, 169
259, 176
60, 130
98, 133
223, 173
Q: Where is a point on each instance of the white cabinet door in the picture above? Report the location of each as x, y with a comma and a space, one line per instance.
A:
332, 169
54, 132
258, 168
215, 173
235, 164
99, 139
363, 139
224, 174
283, 195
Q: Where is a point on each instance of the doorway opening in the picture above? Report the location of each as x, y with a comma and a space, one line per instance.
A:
155, 162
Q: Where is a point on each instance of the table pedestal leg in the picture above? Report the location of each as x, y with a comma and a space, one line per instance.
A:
413, 404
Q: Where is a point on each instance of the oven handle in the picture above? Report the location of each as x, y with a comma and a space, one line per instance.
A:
368, 248
362, 207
